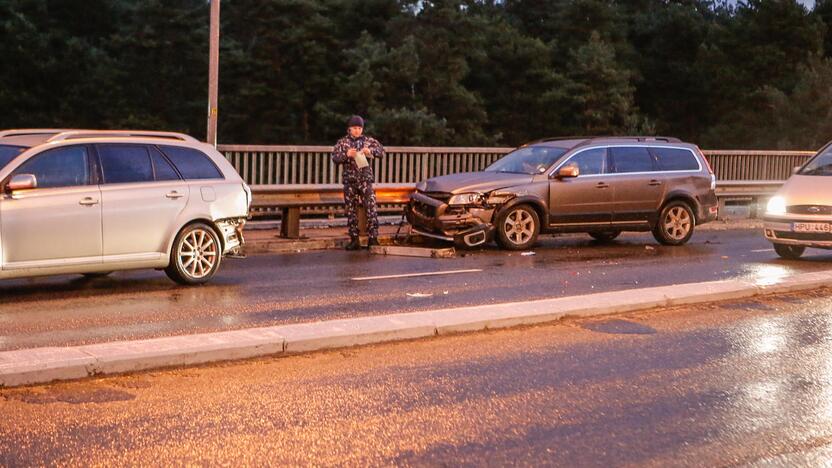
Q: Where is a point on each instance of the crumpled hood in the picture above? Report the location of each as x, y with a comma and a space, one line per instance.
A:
807, 190
470, 182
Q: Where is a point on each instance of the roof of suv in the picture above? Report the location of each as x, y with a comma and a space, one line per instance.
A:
574, 142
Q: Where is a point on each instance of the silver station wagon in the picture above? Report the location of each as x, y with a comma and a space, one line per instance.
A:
92, 202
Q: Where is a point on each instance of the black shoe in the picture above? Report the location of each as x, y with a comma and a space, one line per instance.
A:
373, 241
353, 244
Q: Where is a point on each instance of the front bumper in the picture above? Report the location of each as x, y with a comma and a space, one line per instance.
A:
434, 218
781, 230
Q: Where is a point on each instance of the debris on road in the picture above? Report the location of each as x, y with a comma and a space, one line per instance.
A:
419, 295
413, 251
649, 247
527, 254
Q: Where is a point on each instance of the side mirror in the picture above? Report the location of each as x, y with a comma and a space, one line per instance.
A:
568, 172
22, 182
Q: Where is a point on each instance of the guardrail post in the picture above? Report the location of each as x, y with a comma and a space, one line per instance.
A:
290, 222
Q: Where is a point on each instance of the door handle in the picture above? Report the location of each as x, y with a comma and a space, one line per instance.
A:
655, 182
174, 195
602, 185
88, 201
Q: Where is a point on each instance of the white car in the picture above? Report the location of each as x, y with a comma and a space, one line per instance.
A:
92, 202
799, 215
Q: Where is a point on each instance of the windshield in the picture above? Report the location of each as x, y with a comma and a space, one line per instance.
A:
529, 160
820, 165
8, 152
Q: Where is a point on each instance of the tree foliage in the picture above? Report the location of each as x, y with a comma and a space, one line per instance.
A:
753, 73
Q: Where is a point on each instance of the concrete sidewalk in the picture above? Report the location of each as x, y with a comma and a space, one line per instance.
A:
264, 237
41, 365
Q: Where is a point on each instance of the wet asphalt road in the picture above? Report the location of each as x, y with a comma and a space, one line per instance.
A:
743, 382
275, 289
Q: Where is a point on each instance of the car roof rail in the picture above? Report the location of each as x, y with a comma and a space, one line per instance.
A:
566, 138
78, 134
638, 138
32, 131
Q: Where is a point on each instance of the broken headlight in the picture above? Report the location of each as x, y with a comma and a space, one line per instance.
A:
467, 199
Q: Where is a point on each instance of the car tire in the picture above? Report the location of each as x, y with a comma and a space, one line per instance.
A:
605, 236
675, 225
195, 256
518, 227
789, 252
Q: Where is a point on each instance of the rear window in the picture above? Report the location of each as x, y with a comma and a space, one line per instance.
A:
191, 163
9, 152
675, 159
632, 159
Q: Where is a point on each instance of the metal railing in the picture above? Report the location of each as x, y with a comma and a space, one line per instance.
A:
283, 165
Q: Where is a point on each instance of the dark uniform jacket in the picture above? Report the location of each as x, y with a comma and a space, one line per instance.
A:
351, 171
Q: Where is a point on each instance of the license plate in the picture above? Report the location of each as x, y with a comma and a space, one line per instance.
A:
812, 227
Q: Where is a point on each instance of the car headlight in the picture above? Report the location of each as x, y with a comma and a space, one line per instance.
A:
776, 205
466, 199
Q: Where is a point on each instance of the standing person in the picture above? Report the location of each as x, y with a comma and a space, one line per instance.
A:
355, 151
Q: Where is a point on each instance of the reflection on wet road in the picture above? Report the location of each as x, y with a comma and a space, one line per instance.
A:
274, 289
734, 383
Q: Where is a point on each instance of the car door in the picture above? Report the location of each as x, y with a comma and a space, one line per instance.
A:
58, 223
142, 197
637, 186
583, 200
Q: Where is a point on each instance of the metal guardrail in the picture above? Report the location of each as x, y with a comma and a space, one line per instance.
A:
282, 165
289, 200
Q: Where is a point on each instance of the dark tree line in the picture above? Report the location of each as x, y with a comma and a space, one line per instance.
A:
456, 72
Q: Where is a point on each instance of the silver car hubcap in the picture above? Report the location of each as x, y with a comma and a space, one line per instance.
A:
519, 226
197, 253
677, 223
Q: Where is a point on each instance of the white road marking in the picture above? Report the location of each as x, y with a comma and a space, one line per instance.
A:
763, 250
412, 275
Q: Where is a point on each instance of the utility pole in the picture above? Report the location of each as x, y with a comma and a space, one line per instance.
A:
213, 72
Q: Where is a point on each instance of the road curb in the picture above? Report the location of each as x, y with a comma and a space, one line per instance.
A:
42, 365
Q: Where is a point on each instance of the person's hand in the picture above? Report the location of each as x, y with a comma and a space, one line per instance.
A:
366, 151
351, 152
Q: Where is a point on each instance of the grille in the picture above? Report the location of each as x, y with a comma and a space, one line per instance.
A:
804, 236
441, 196
809, 209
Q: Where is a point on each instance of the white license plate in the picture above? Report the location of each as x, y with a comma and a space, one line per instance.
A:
812, 227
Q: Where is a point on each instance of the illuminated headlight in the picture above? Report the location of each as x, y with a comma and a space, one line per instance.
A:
466, 199
776, 205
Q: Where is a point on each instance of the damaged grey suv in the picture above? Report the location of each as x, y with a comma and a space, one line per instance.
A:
601, 186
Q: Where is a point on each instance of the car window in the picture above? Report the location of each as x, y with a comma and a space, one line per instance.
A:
590, 162
122, 164
631, 159
191, 163
161, 167
675, 159
528, 160
67, 166
820, 165
9, 152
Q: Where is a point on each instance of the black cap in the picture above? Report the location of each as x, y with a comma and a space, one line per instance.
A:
355, 121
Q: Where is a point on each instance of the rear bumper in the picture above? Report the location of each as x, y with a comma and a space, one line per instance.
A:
708, 209
232, 235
